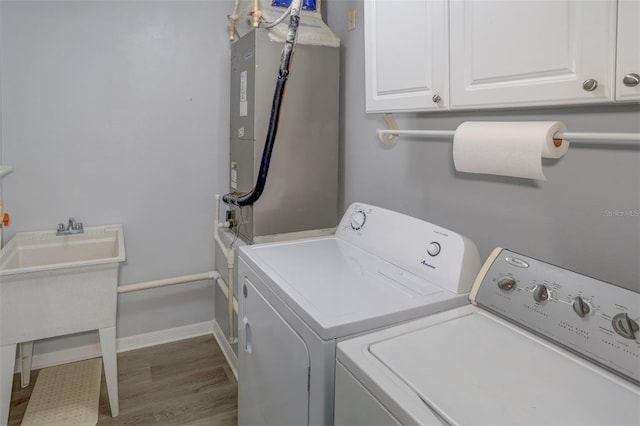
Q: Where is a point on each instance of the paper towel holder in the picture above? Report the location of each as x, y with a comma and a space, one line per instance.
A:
392, 135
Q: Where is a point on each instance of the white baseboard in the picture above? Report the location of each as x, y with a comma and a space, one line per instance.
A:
123, 344
227, 350
169, 335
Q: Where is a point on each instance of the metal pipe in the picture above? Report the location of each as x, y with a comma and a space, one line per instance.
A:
256, 14
599, 137
584, 136
233, 18
416, 132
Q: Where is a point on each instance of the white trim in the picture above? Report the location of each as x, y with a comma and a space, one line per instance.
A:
123, 344
227, 350
154, 338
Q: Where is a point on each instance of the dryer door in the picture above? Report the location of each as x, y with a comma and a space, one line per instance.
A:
273, 366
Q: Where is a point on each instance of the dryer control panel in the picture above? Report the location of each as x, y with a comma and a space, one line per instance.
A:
435, 254
595, 319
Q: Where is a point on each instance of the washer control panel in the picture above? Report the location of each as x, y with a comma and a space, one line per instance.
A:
595, 319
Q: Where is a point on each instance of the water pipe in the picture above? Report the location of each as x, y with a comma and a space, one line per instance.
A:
209, 275
229, 254
280, 19
256, 13
233, 18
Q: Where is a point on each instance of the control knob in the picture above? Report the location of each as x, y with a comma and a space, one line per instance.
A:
625, 326
433, 248
358, 218
541, 293
581, 307
506, 283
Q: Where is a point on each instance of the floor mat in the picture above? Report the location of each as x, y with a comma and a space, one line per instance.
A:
67, 394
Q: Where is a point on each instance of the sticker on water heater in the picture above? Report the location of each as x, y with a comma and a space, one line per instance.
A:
243, 94
243, 86
241, 132
234, 179
234, 175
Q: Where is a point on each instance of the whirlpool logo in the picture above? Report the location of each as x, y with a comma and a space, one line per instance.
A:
424, 262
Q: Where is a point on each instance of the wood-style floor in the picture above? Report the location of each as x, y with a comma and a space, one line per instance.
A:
181, 383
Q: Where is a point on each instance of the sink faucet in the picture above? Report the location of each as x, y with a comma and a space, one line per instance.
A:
72, 228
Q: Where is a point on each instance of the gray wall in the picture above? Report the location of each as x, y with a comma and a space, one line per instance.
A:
570, 220
116, 112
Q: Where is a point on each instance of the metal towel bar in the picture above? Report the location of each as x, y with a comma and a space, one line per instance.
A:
390, 136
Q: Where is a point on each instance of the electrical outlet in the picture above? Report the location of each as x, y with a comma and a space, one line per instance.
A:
351, 20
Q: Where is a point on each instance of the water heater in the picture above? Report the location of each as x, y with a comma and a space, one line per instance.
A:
301, 192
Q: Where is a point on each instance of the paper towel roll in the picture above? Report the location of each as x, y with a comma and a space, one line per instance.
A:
506, 148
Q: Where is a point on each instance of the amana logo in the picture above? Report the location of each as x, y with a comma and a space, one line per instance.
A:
424, 262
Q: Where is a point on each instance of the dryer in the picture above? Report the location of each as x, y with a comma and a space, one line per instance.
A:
299, 298
540, 345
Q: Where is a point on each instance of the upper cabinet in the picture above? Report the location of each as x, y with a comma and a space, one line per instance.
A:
628, 57
406, 55
474, 54
531, 52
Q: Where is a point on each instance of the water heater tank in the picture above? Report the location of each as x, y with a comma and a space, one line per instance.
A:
301, 192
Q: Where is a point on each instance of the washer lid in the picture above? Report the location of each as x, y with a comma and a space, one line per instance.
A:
340, 289
478, 369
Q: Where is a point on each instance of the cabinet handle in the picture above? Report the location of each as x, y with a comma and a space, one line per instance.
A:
631, 80
590, 85
436, 99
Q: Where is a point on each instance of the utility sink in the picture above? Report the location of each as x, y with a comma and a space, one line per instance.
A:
29, 252
56, 285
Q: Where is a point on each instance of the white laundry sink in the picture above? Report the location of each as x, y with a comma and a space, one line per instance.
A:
30, 252
56, 285
52, 285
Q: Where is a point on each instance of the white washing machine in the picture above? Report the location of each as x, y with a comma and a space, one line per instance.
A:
539, 345
298, 298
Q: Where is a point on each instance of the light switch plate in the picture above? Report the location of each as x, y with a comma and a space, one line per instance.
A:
351, 20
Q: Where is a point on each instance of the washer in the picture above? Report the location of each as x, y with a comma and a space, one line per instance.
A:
539, 345
298, 298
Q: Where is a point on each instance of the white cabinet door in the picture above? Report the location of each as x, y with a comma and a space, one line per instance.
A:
531, 52
628, 57
406, 47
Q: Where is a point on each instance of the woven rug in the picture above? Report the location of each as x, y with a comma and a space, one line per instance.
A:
66, 394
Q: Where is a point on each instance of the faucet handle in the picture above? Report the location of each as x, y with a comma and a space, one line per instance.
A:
79, 226
61, 227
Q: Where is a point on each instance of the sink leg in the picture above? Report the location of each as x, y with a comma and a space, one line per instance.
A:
7, 365
26, 356
108, 346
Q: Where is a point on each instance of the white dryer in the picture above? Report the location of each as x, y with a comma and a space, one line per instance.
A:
298, 298
540, 345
